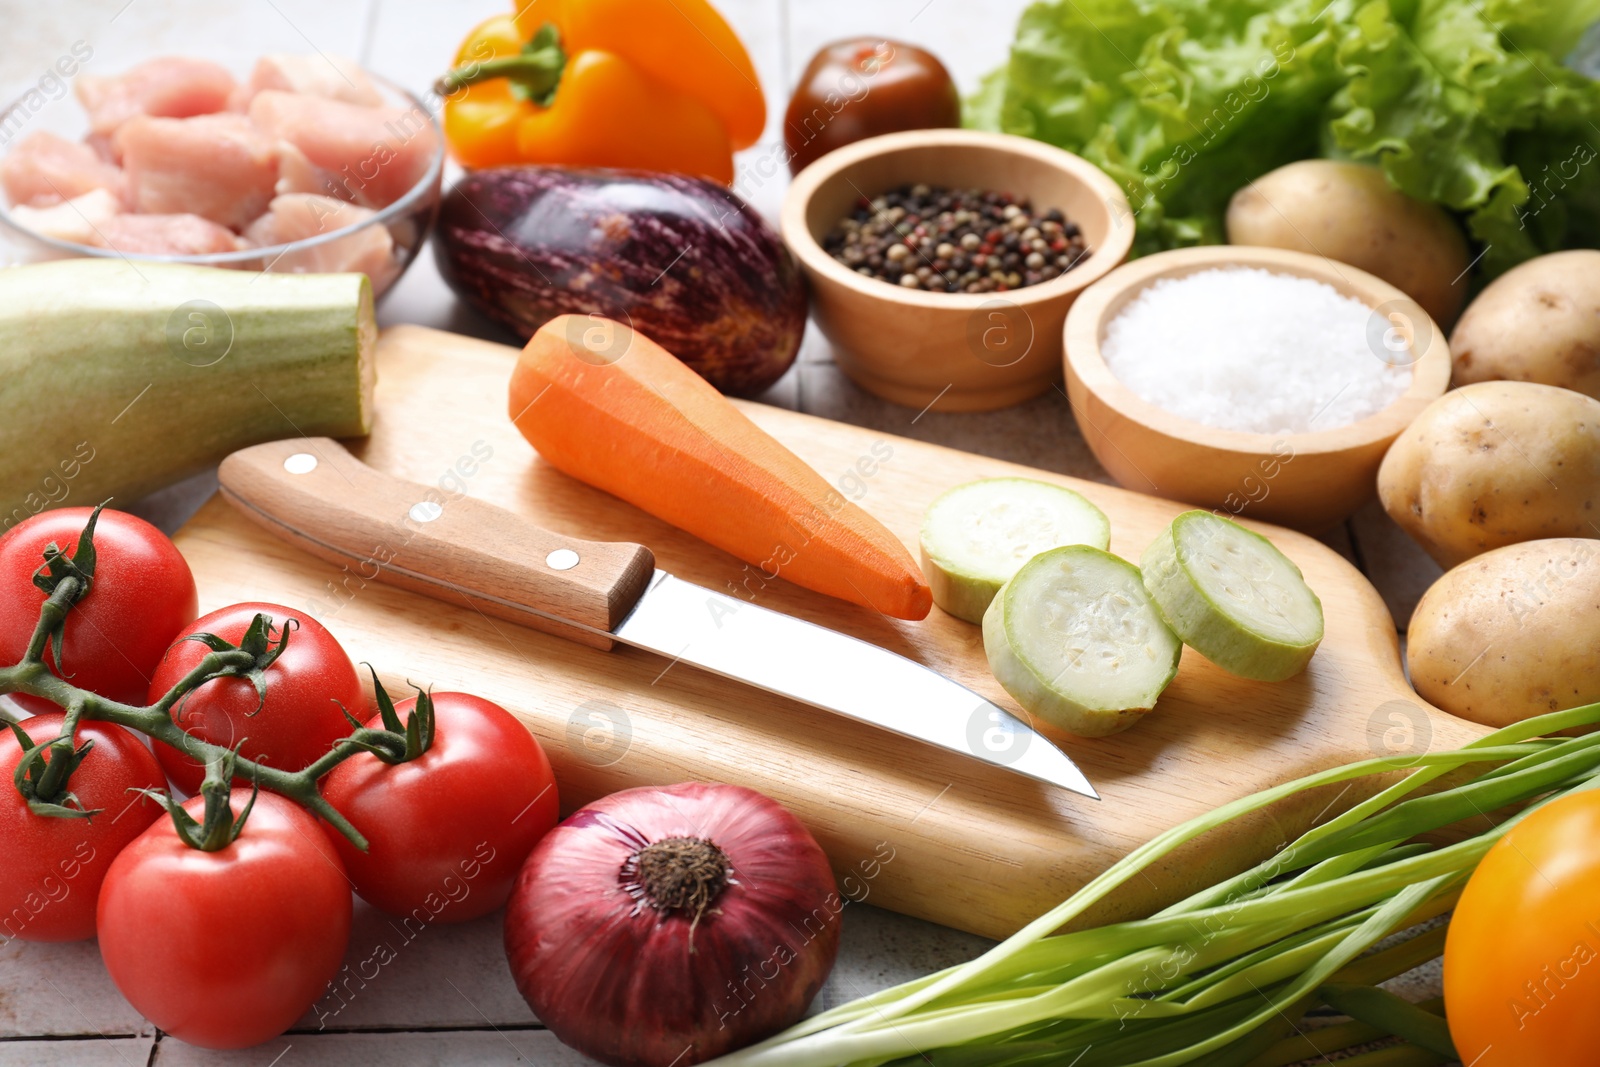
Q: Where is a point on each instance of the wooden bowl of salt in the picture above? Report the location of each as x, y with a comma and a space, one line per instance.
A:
1259, 382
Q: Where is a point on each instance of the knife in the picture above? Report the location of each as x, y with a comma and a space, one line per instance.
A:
312, 492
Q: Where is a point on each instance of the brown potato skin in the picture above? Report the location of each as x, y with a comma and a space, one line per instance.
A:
1349, 212
1494, 464
1511, 634
1538, 322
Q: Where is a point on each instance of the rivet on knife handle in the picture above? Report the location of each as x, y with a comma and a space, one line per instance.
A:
314, 493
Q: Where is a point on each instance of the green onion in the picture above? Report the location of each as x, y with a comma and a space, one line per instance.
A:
1392, 1014
1216, 979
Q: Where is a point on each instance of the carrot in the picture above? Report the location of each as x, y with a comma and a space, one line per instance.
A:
646, 428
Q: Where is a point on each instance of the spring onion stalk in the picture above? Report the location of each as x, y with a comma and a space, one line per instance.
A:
1392, 1014
1217, 978
1319, 1043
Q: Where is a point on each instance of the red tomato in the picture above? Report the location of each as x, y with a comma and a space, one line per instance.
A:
1522, 956
305, 686
143, 595
52, 867
448, 831
226, 949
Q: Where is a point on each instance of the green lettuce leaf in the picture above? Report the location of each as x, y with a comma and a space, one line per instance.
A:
1183, 102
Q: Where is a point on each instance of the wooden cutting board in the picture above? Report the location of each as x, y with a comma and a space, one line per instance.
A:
908, 827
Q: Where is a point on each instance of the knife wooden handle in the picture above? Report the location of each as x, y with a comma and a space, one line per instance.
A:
312, 492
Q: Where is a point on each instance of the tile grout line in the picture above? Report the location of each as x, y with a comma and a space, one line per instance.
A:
785, 53
70, 1038
369, 34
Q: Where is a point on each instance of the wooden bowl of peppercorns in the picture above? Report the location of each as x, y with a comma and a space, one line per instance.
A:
942, 262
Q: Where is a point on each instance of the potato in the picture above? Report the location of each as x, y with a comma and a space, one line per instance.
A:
1349, 212
1538, 322
1511, 634
1495, 463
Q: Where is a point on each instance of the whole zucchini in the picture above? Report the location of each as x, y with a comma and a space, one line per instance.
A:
684, 261
117, 378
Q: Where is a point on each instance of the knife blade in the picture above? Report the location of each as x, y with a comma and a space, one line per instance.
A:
315, 494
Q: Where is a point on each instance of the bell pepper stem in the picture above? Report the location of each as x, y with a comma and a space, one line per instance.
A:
535, 71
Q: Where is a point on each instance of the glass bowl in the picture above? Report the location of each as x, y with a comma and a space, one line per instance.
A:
408, 219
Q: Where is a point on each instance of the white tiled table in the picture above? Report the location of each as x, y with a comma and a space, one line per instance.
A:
448, 997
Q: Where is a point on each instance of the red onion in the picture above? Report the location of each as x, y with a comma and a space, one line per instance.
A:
669, 926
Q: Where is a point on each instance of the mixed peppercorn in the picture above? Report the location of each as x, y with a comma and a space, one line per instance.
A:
955, 240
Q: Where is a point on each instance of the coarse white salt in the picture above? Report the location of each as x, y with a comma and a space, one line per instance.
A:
1240, 348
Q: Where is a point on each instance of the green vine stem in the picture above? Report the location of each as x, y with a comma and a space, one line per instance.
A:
30, 676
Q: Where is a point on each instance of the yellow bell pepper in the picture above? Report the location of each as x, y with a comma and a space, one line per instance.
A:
659, 85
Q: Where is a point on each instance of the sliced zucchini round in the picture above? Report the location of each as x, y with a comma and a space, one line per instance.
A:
1075, 639
975, 536
1233, 597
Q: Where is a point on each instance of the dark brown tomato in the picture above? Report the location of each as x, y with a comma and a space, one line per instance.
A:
864, 87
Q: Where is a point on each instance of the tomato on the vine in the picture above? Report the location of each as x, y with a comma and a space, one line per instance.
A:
448, 830
52, 866
1522, 955
141, 597
226, 949
300, 718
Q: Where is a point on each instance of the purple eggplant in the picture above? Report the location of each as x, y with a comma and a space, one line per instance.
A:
685, 262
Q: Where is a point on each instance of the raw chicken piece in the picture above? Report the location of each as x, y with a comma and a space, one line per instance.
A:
297, 174
219, 167
330, 76
375, 154
296, 216
100, 143
165, 235
73, 220
172, 87
45, 169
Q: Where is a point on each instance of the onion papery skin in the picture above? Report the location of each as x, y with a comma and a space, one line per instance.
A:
622, 982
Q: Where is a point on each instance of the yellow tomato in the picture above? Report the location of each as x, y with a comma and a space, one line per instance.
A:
1522, 957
